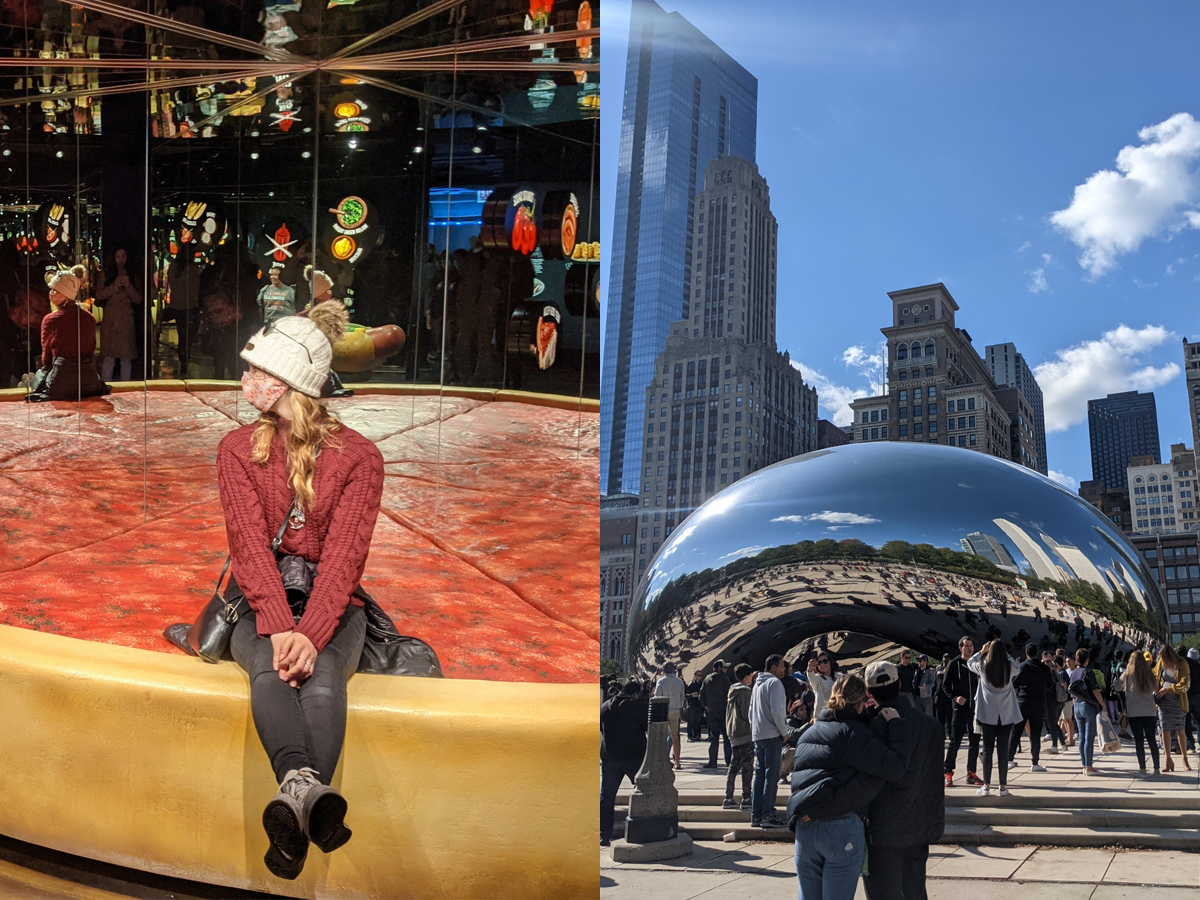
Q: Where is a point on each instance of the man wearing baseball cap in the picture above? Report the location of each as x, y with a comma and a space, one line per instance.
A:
909, 814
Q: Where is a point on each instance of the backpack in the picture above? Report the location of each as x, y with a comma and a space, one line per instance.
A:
1061, 694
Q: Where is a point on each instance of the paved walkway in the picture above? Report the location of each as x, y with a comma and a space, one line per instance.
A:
766, 870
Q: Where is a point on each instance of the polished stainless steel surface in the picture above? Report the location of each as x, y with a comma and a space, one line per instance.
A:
863, 547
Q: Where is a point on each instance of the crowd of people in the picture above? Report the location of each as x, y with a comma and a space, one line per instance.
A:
880, 748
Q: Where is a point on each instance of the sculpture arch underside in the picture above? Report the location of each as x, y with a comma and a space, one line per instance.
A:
862, 610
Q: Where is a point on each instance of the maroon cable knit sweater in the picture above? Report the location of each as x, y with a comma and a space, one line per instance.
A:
348, 484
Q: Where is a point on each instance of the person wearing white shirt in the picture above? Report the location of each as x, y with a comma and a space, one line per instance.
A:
673, 688
996, 708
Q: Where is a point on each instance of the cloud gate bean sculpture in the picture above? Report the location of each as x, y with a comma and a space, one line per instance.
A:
857, 549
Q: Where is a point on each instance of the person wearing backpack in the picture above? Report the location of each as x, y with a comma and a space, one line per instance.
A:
1085, 689
737, 727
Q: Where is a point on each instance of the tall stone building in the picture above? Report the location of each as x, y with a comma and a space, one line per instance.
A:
1120, 427
939, 389
1175, 561
686, 103
1162, 495
723, 401
1009, 370
618, 525
1191, 371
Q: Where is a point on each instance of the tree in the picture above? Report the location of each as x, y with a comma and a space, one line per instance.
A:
611, 667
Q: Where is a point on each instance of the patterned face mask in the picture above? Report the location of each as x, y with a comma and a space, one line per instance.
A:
262, 389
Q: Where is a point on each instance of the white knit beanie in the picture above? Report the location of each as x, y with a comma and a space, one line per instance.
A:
66, 284
298, 349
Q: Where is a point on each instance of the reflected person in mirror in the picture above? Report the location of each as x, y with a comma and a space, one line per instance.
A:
299, 464
68, 368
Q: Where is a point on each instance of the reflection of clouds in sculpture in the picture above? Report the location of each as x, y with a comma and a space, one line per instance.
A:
745, 551
834, 518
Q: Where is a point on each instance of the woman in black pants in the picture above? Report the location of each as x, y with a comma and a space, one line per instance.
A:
1139, 684
299, 476
996, 709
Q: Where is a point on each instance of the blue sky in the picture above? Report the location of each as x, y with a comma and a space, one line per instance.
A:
1042, 160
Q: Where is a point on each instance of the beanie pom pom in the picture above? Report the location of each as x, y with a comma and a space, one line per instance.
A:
331, 318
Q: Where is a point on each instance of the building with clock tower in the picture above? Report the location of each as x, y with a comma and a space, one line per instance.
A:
939, 390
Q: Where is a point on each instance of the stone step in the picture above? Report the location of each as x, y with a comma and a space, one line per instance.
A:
1032, 817
1048, 836
1021, 797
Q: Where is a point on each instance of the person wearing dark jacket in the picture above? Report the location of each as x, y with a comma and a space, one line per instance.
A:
695, 709
959, 685
908, 672
713, 694
1034, 685
909, 813
942, 707
841, 764
622, 749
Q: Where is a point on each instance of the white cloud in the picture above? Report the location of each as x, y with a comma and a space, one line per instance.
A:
1065, 480
830, 517
1046, 258
745, 551
858, 357
832, 397
1092, 369
1025, 246
1154, 190
1037, 281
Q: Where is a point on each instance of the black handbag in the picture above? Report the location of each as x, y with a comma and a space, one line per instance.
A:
385, 650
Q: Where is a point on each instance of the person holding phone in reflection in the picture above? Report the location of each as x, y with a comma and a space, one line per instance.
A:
298, 464
121, 300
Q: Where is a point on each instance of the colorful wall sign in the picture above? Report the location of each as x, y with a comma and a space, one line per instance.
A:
347, 234
510, 221
351, 114
55, 229
201, 226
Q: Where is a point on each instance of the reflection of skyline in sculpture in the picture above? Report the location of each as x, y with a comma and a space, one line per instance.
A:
1076, 562
1043, 566
990, 549
760, 568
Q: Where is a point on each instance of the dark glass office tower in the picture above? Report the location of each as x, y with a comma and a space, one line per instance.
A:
686, 103
1120, 427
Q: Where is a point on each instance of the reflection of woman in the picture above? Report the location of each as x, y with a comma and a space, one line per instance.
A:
996, 709
120, 298
68, 345
298, 463
841, 763
1174, 679
321, 286
1139, 684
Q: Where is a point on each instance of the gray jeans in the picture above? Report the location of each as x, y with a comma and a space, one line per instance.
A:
303, 726
925, 704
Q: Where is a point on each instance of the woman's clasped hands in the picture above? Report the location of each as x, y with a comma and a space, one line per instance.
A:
294, 656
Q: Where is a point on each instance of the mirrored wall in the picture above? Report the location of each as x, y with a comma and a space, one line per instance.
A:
174, 174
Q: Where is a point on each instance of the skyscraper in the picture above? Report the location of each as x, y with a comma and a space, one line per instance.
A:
1191, 372
686, 103
1009, 369
722, 401
1120, 427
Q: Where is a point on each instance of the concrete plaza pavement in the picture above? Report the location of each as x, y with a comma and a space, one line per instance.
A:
765, 870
